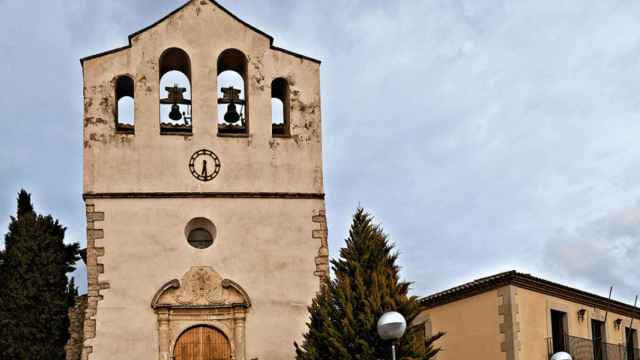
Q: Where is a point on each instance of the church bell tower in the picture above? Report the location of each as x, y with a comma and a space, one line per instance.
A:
203, 184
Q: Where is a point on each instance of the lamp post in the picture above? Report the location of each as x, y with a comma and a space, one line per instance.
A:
392, 326
561, 356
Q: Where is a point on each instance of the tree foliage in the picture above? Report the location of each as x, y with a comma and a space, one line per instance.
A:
35, 293
366, 284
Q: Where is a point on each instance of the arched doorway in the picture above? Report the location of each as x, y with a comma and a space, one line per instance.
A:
204, 298
202, 343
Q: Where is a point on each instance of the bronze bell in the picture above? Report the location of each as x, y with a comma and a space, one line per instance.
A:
231, 97
175, 99
232, 115
175, 114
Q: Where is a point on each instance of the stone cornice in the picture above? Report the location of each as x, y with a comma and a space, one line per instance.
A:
191, 195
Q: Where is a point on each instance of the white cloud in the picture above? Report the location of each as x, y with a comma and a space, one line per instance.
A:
601, 252
472, 129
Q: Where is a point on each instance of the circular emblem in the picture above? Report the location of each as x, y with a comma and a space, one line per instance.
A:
204, 165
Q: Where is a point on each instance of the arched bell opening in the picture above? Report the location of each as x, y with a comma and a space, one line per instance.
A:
125, 104
232, 93
175, 92
280, 108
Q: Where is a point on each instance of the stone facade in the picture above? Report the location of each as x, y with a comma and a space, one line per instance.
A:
202, 298
264, 210
94, 270
76, 329
320, 233
509, 326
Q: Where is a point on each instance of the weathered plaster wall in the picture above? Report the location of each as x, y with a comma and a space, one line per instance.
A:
266, 246
512, 323
535, 314
149, 162
472, 326
274, 247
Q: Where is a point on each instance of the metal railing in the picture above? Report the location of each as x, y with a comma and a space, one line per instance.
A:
587, 349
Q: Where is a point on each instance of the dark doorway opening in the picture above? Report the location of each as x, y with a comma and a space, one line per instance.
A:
598, 338
631, 339
558, 331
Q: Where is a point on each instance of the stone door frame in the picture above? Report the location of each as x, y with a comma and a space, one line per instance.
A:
227, 312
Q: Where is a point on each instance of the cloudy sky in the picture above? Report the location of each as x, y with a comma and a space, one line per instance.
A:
484, 135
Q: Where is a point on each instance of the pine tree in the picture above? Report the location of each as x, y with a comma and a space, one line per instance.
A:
72, 293
34, 289
366, 284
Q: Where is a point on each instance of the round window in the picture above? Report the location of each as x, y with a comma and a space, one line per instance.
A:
200, 238
200, 233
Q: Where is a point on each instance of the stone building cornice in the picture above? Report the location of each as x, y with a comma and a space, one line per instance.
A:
191, 195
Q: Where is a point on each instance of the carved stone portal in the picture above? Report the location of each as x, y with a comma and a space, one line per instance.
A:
201, 298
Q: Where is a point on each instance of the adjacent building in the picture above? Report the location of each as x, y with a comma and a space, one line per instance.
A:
515, 316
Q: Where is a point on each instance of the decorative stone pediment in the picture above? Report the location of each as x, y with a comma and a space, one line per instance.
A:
201, 287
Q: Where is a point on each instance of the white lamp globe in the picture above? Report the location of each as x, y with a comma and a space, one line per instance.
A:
561, 356
392, 326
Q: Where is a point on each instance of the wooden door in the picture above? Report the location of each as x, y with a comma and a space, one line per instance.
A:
203, 343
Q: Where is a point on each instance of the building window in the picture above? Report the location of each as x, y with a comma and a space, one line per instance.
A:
200, 238
125, 104
175, 92
280, 107
559, 331
200, 233
419, 334
631, 341
232, 96
598, 337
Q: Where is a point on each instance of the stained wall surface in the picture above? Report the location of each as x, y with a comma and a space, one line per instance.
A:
472, 327
535, 320
267, 202
265, 246
148, 162
481, 326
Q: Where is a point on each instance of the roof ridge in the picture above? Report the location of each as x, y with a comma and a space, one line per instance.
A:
504, 273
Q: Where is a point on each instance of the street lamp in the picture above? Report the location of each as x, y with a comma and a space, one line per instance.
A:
561, 356
392, 326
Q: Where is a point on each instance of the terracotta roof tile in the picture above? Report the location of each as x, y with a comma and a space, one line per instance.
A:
528, 282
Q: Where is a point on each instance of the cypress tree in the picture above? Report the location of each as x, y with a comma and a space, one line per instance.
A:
35, 293
366, 284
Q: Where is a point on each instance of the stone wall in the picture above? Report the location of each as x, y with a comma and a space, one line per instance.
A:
76, 329
320, 232
94, 270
